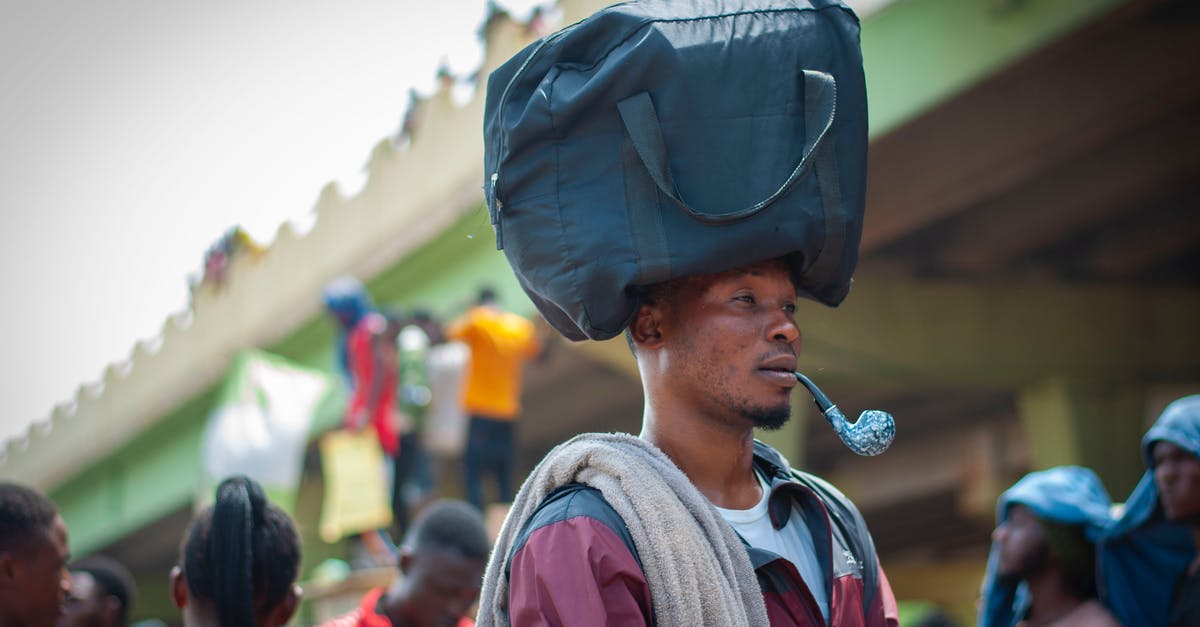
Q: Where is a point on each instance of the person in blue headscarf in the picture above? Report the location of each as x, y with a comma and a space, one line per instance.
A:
1041, 570
348, 301
1148, 559
367, 364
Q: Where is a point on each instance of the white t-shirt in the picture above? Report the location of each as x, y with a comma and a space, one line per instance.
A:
793, 541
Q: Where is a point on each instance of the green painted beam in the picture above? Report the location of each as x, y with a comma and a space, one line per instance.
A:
1001, 334
147, 479
155, 473
918, 53
1088, 423
443, 276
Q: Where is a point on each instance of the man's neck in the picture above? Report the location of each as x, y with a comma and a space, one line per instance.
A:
1049, 598
1194, 567
393, 604
717, 458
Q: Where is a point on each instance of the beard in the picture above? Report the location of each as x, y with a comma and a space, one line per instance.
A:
768, 418
1027, 565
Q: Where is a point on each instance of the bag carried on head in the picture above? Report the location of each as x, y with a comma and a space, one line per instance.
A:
661, 139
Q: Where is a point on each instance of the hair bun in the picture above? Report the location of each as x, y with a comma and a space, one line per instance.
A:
246, 493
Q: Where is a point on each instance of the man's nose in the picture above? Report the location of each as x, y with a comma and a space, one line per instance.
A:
1164, 472
784, 329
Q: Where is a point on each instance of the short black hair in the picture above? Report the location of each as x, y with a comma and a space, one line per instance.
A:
24, 513
113, 578
242, 553
449, 524
1075, 553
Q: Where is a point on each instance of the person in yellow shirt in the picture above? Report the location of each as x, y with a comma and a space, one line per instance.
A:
501, 342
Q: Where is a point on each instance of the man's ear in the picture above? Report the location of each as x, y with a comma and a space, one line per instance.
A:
646, 327
406, 561
283, 612
179, 591
8, 569
111, 610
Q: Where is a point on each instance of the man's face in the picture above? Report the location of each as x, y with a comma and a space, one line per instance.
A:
444, 586
1177, 475
1021, 542
731, 341
40, 578
88, 604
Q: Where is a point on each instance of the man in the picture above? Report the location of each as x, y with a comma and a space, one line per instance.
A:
1174, 447
34, 581
1148, 558
716, 354
1175, 458
362, 348
441, 562
414, 480
1042, 570
500, 343
102, 593
363, 335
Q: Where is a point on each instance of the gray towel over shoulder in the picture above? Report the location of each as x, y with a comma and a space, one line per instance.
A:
696, 567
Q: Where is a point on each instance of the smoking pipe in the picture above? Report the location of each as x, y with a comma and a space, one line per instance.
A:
872, 434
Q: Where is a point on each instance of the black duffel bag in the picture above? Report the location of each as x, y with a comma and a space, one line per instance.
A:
661, 139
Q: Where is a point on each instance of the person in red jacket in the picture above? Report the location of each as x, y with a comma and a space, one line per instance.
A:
716, 354
441, 564
362, 355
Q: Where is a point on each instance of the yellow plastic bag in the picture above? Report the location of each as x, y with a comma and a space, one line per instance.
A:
356, 488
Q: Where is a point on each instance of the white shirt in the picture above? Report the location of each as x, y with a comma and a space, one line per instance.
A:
793, 541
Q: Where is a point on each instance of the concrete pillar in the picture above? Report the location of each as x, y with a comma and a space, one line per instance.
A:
1088, 423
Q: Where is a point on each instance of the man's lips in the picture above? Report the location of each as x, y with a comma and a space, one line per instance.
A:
780, 370
785, 363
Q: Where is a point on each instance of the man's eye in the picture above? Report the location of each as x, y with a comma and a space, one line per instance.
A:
790, 308
745, 298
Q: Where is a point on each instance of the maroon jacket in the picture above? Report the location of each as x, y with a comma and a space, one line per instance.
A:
574, 563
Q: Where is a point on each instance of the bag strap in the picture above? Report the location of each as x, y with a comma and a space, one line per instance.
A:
646, 230
644, 129
829, 258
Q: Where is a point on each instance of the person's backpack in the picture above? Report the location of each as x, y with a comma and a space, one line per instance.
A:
660, 139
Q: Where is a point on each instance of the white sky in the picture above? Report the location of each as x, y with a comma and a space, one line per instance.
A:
134, 132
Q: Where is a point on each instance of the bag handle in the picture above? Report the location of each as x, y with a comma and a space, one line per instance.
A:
645, 131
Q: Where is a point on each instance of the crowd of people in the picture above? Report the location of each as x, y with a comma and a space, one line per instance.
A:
615, 550
238, 566
1060, 555
387, 361
239, 560
693, 521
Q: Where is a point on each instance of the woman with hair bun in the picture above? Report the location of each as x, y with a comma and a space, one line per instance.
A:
238, 561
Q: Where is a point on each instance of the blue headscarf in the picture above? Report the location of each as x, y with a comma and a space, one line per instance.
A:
1143, 555
347, 299
1069, 495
